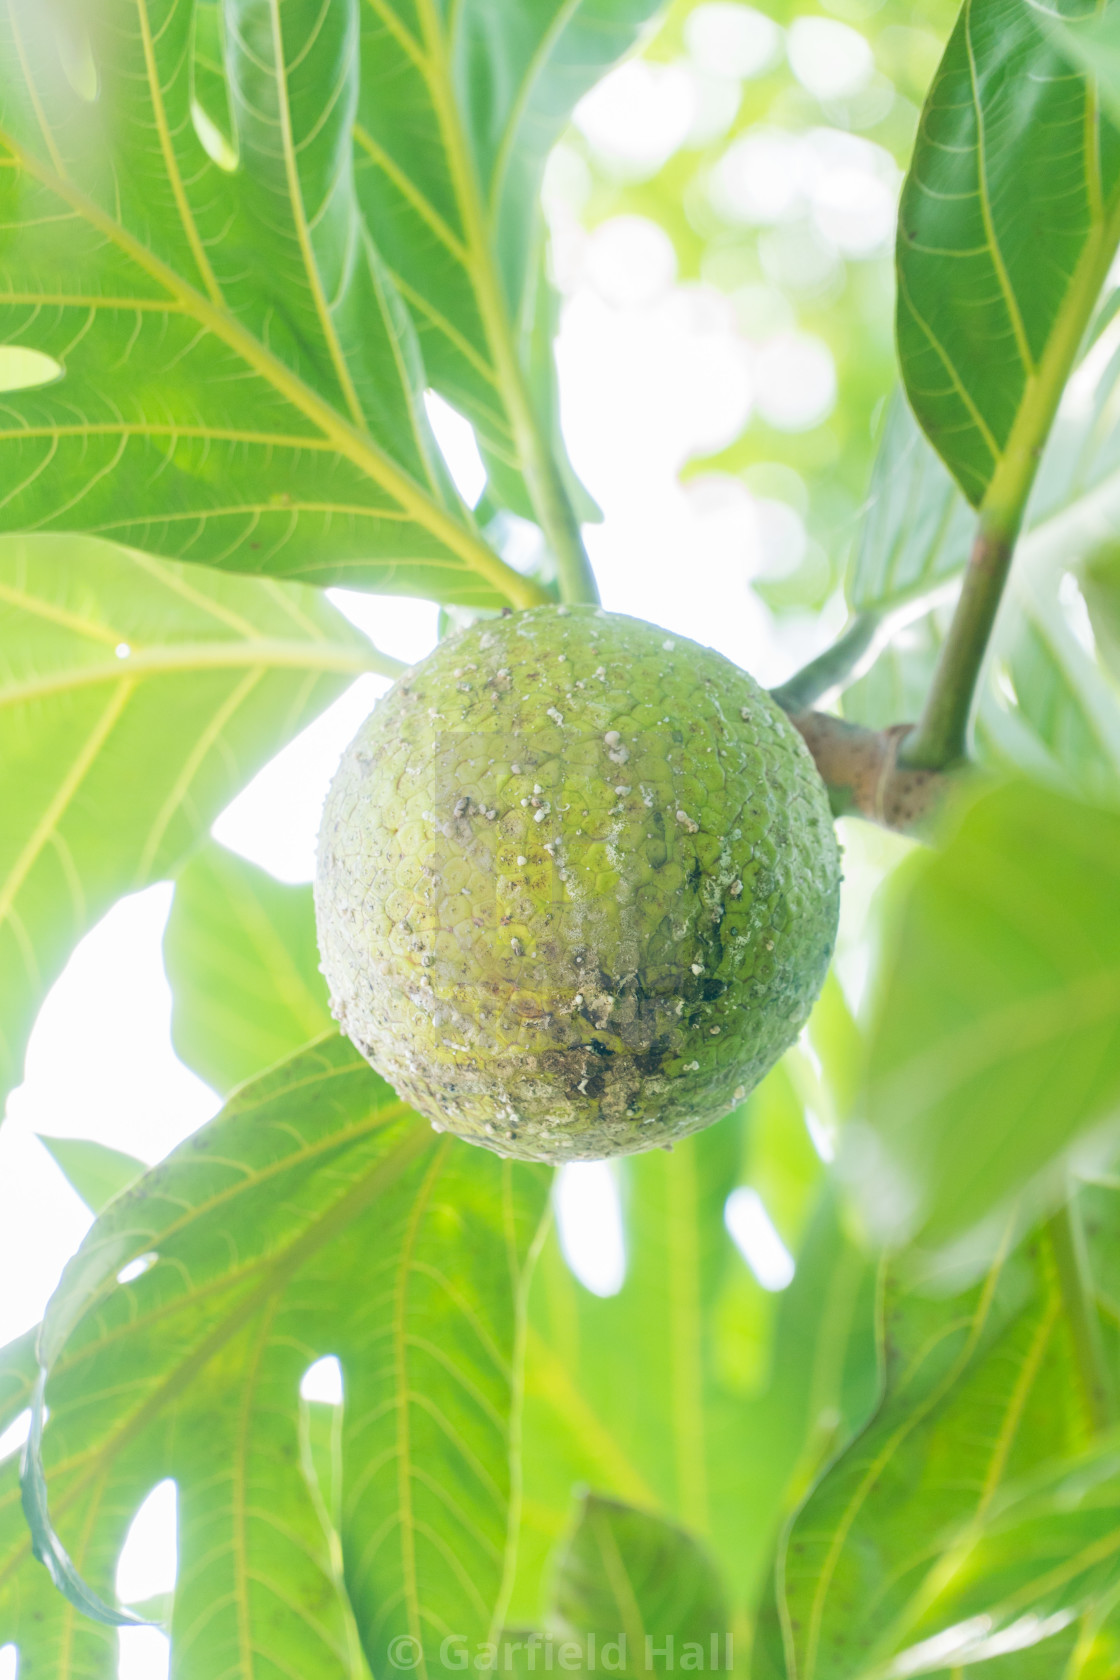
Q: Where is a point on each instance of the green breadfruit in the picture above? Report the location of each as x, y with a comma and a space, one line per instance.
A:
577, 885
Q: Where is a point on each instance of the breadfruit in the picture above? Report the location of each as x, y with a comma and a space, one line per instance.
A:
577, 885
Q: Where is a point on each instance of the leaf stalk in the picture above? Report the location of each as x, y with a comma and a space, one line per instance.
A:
940, 738
832, 669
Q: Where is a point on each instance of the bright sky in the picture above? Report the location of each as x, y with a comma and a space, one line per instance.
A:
651, 373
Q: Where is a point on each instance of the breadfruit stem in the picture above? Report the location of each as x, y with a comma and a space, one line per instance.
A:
940, 738
833, 669
864, 778
1082, 1317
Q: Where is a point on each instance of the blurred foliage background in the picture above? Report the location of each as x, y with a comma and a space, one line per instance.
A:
755, 159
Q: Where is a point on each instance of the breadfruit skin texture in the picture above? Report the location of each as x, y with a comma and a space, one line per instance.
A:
577, 885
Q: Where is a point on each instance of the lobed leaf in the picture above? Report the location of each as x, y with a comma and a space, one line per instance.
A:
238, 381
95, 1171
994, 1045
138, 696
643, 1587
693, 1393
459, 108
1042, 1561
980, 1389
243, 963
315, 1216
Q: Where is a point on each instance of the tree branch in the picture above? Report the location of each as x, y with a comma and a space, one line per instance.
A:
861, 770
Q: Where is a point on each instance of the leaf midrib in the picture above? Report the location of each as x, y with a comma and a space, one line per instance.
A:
278, 1270
477, 223
381, 1116
355, 446
941, 1574
175, 658
403, 1400
1024, 1025
871, 1475
299, 216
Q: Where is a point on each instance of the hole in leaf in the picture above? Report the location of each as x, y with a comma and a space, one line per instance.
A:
819, 1136
214, 143
752, 1231
9, 1662
75, 54
589, 1223
1004, 683
136, 1268
323, 1381
22, 369
149, 1559
211, 113
1077, 613
11, 1440
145, 1654
458, 446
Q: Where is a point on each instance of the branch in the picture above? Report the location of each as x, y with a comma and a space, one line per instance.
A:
864, 778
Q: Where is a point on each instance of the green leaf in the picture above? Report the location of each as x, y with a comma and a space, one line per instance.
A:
895, 687
1013, 158
317, 1215
1048, 710
995, 1043
137, 696
644, 1587
1100, 583
916, 529
243, 963
459, 109
19, 1369
980, 1389
1046, 1552
239, 381
96, 1172
45, 1544
1092, 43
693, 1393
